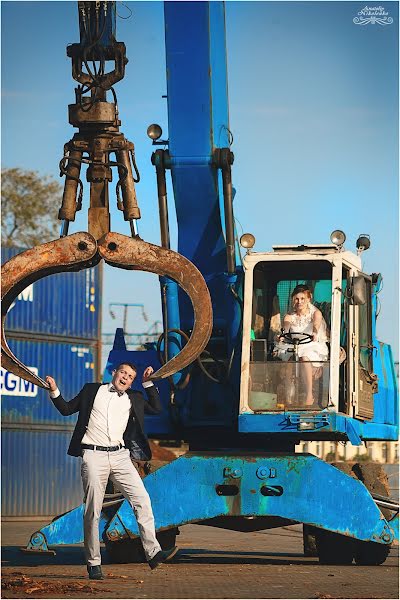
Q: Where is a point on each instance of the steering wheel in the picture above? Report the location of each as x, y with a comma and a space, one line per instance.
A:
301, 338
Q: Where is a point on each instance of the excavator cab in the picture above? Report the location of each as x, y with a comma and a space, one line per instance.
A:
344, 373
277, 373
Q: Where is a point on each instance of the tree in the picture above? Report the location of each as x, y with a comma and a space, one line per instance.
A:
29, 204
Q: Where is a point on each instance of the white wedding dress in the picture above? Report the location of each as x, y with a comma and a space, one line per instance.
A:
313, 351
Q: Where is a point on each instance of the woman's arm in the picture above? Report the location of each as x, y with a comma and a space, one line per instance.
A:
317, 320
287, 321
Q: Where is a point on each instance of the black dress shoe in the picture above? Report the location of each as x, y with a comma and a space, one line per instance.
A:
162, 557
95, 572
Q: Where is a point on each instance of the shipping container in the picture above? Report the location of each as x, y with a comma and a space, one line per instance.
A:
66, 304
71, 364
38, 477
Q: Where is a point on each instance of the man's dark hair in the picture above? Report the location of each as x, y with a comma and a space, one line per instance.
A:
128, 364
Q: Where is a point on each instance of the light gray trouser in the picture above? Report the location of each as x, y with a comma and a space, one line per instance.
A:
97, 467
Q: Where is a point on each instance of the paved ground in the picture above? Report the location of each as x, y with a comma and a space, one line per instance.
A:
211, 563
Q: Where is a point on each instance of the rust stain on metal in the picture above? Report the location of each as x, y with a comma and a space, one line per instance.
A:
294, 464
235, 502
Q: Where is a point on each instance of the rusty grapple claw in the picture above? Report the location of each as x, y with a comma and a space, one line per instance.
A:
81, 251
73, 253
133, 253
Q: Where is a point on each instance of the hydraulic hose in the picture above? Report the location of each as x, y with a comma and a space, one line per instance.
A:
186, 380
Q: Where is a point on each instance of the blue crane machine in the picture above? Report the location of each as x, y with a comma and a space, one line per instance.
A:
240, 408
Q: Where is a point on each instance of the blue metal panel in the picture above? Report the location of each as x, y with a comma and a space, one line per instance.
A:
68, 529
325, 423
189, 490
38, 478
71, 365
186, 491
386, 401
66, 304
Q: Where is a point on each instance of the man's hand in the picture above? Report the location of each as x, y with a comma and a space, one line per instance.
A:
147, 372
52, 383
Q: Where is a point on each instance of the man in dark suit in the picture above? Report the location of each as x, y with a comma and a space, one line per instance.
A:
108, 433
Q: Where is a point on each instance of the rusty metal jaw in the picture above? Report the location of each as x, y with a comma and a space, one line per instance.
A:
81, 251
72, 253
133, 253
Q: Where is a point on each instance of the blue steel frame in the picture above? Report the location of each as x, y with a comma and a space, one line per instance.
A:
193, 488
324, 423
198, 124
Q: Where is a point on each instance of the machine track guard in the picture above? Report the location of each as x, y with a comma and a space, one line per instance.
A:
81, 251
198, 488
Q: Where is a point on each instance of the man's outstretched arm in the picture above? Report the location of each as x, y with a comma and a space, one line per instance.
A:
65, 408
153, 404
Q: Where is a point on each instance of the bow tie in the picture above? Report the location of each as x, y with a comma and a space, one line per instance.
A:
113, 389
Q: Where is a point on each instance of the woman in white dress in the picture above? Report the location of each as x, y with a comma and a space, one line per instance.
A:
305, 318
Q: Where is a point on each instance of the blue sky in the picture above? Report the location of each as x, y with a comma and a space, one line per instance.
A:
313, 110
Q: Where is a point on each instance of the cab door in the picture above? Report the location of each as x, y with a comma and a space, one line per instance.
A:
364, 378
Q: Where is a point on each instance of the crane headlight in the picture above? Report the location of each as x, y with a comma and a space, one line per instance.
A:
338, 237
363, 242
247, 240
154, 131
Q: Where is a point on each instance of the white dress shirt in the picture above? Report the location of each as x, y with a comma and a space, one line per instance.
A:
108, 418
